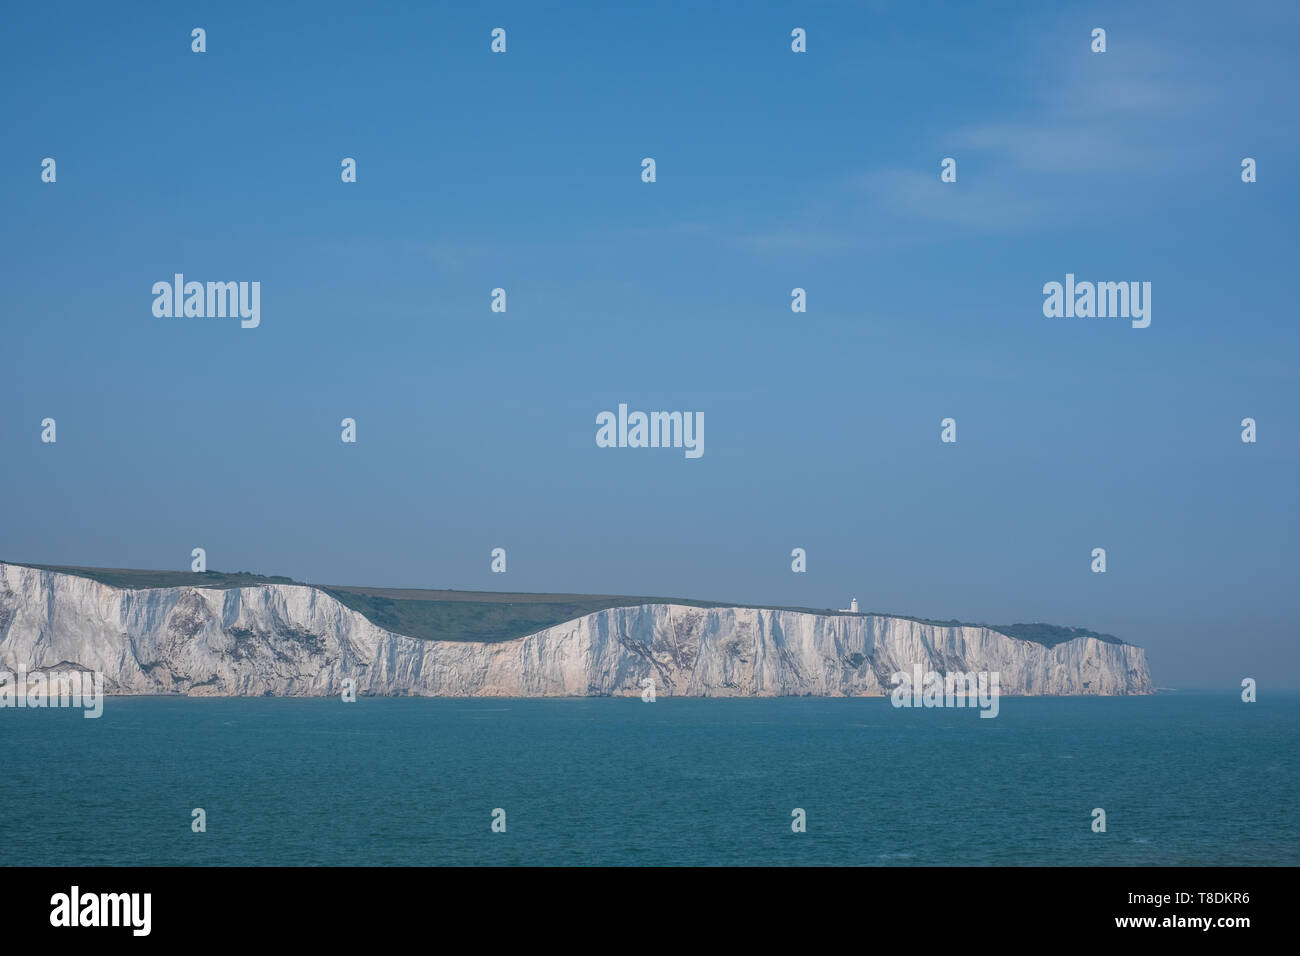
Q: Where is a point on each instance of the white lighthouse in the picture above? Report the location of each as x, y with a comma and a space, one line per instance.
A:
852, 608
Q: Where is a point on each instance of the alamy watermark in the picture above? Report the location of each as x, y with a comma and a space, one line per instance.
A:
653, 430
212, 300
1084, 300
75, 908
932, 689
53, 689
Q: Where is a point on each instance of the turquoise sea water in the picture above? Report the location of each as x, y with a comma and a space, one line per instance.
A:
1185, 778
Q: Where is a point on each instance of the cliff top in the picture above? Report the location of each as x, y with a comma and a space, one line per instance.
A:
451, 615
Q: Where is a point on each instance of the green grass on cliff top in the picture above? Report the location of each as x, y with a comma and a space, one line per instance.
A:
493, 615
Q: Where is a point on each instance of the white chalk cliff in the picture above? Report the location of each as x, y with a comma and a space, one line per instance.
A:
298, 641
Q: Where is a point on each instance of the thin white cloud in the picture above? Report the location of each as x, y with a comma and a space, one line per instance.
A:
986, 206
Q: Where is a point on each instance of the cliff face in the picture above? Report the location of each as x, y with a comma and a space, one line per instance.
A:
293, 640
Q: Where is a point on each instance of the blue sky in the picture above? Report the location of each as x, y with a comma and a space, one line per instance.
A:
775, 170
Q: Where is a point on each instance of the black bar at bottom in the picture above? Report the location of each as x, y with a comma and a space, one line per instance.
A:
367, 905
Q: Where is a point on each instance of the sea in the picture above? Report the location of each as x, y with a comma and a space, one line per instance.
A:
1183, 778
